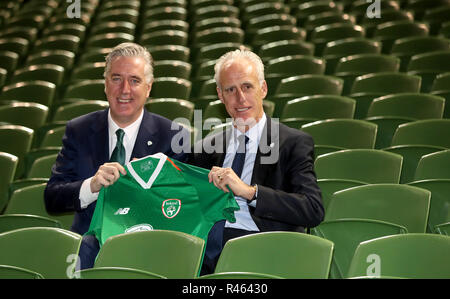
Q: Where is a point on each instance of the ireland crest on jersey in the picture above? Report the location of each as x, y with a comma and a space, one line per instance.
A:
171, 207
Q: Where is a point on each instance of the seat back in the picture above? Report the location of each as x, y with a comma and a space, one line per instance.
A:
30, 200
434, 132
344, 133
11, 222
396, 203
283, 254
8, 165
364, 165
346, 234
431, 166
407, 255
16, 140
53, 249
408, 105
145, 250
30, 115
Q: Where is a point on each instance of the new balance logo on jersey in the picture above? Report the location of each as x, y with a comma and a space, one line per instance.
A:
122, 211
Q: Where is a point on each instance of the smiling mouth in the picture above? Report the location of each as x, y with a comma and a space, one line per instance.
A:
242, 109
123, 101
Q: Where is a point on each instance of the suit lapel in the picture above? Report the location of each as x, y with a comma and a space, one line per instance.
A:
98, 139
145, 138
268, 142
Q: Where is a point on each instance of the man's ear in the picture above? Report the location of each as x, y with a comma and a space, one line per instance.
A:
264, 88
219, 94
149, 88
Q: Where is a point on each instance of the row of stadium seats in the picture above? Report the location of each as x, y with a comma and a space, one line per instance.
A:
351, 248
371, 91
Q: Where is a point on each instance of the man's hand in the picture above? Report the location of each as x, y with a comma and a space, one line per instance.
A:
223, 177
106, 175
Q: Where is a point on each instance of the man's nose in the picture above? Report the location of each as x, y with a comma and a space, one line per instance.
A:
125, 86
240, 95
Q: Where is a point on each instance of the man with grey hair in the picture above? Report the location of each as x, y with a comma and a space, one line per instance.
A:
97, 145
268, 166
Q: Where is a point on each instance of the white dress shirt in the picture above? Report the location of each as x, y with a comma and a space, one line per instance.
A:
131, 131
243, 218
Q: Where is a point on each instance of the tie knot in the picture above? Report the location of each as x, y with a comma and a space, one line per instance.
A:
119, 134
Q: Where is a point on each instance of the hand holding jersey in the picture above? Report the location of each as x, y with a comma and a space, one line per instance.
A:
106, 175
224, 178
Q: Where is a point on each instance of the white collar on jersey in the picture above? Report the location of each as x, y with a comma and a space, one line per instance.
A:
147, 185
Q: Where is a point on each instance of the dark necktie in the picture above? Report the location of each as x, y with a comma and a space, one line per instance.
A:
239, 158
118, 154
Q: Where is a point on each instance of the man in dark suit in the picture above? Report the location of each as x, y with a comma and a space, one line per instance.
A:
277, 189
96, 145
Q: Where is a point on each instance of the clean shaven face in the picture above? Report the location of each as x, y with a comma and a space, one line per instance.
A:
126, 89
242, 92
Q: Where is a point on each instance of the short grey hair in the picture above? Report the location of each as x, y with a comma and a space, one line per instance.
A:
229, 57
131, 50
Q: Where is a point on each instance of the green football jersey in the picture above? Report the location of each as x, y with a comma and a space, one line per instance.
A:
160, 193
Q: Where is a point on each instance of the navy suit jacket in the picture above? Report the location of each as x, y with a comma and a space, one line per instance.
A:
289, 198
86, 147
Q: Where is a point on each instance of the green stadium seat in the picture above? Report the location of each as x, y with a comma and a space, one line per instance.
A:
143, 251
400, 204
386, 256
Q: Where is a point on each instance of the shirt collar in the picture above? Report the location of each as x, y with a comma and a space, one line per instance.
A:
130, 130
255, 132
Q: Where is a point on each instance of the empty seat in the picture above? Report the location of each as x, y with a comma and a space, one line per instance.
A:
390, 15
306, 109
321, 35
169, 52
8, 164
172, 68
428, 65
363, 165
435, 132
276, 33
336, 134
285, 47
31, 115
143, 251
17, 221
441, 87
37, 91
50, 261
390, 111
87, 89
170, 87
283, 254
70, 111
298, 86
287, 66
400, 204
365, 88
405, 48
16, 140
335, 50
350, 67
346, 234
30, 200
406, 255
45, 72
164, 37
171, 108
388, 32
